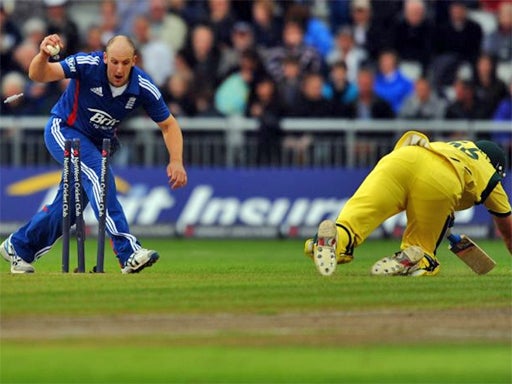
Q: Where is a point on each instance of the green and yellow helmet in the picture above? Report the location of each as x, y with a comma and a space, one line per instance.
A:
495, 154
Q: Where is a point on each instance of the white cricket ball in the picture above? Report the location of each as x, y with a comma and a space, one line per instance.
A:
53, 49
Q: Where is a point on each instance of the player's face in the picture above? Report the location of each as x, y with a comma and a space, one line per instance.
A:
119, 65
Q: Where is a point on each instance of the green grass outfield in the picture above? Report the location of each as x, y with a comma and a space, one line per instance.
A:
252, 312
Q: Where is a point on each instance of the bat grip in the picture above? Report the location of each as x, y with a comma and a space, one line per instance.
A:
453, 238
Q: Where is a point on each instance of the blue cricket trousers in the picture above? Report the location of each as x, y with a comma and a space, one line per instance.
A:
38, 235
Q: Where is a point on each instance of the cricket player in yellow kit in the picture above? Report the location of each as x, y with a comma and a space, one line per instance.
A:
427, 180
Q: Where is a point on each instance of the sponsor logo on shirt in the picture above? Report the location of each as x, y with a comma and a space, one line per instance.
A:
130, 103
98, 91
71, 64
102, 120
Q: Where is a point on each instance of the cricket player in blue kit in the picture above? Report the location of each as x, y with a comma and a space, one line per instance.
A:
104, 88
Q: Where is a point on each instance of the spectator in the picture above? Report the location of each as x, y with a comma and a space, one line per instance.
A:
10, 38
465, 105
293, 45
390, 83
39, 98
34, 31
440, 10
231, 99
204, 104
192, 12
202, 55
59, 22
128, 11
317, 34
456, 42
488, 88
182, 67
289, 86
499, 42
311, 101
233, 93
339, 88
176, 95
384, 16
423, 104
345, 50
23, 55
222, 20
264, 106
266, 23
368, 104
93, 39
13, 83
157, 58
242, 39
413, 34
167, 26
504, 113
504, 110
491, 6
339, 13
108, 20
311, 104
367, 35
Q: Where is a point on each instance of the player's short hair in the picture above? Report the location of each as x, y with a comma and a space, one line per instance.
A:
121, 37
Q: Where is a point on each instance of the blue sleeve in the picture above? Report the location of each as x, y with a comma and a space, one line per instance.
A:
155, 106
151, 97
77, 66
70, 68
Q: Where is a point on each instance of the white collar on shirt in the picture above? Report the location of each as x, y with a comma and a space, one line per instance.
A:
116, 91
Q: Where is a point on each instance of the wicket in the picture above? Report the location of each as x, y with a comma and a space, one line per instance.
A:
66, 199
72, 156
102, 206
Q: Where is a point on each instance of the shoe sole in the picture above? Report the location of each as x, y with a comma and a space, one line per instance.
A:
422, 272
152, 260
400, 264
325, 254
387, 267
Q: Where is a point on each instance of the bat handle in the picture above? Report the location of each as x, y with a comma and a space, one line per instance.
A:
453, 238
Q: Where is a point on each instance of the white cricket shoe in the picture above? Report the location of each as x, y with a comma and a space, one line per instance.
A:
139, 260
325, 248
401, 263
18, 265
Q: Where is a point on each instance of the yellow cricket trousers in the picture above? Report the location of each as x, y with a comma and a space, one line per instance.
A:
411, 179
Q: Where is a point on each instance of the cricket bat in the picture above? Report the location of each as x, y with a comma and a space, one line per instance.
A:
470, 253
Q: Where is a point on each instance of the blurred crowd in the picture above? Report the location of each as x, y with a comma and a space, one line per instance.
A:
268, 59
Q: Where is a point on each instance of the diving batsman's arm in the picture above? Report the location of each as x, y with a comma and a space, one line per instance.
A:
498, 205
504, 225
173, 139
40, 68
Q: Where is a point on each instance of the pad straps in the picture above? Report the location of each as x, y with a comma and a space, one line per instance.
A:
350, 246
